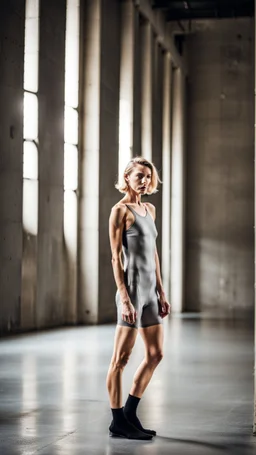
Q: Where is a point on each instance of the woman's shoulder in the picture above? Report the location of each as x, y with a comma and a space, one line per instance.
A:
119, 209
151, 209
120, 206
150, 206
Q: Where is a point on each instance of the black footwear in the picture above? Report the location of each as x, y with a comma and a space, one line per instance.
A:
127, 431
134, 421
129, 411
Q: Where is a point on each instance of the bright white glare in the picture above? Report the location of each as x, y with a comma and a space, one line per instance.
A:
124, 135
68, 385
72, 54
30, 206
32, 8
30, 160
30, 116
70, 167
29, 424
70, 224
71, 126
31, 46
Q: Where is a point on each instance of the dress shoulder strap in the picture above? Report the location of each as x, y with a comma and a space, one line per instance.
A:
134, 212
131, 209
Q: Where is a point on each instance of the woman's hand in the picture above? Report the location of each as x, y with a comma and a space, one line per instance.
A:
164, 306
128, 312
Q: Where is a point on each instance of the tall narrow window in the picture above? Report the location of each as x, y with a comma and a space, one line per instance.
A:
71, 148
30, 131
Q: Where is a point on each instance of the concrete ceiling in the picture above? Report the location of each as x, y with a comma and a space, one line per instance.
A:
176, 10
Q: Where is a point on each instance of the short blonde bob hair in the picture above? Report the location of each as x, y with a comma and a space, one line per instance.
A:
122, 185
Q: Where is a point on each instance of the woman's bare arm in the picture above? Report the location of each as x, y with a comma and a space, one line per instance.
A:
159, 284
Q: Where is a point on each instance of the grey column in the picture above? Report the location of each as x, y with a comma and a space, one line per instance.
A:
254, 417
12, 22
136, 145
99, 160
157, 137
147, 62
178, 181
51, 262
166, 175
128, 110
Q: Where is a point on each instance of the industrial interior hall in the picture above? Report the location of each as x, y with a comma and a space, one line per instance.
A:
86, 86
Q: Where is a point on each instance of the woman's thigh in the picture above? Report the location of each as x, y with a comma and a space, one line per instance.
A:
153, 338
124, 340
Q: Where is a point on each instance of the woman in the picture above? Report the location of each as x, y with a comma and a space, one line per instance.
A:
140, 299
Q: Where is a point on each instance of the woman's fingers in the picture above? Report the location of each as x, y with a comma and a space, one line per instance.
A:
129, 317
164, 309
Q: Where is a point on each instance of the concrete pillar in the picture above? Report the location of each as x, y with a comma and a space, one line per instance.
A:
254, 417
129, 24
147, 65
51, 304
178, 182
136, 144
99, 159
71, 147
166, 174
157, 136
30, 178
12, 20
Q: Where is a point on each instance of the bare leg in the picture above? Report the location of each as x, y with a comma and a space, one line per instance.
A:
153, 341
124, 341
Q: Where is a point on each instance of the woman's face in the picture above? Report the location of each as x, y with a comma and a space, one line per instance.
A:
139, 178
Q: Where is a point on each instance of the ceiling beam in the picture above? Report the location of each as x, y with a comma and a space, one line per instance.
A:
190, 14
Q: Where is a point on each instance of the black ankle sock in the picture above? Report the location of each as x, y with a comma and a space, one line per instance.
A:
130, 409
118, 415
131, 404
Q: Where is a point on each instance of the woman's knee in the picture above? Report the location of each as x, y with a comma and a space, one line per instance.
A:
154, 357
119, 361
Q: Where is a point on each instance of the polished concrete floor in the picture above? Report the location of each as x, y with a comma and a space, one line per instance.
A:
53, 398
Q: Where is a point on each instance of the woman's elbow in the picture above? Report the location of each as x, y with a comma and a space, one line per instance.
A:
115, 258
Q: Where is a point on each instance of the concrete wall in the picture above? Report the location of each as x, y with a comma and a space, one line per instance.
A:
220, 168
32, 268
34, 273
50, 305
99, 159
109, 129
12, 17
157, 139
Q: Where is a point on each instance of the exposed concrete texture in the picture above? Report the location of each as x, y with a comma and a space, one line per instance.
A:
54, 398
99, 160
163, 30
50, 305
220, 171
12, 17
166, 173
254, 319
147, 68
157, 135
110, 49
88, 237
177, 191
129, 57
136, 149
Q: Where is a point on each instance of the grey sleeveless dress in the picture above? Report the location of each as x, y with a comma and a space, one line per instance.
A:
139, 243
